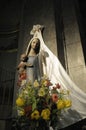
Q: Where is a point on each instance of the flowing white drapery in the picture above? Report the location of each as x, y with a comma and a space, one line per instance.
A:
56, 73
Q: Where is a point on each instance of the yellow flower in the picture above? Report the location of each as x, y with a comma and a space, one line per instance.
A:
65, 92
45, 114
41, 92
36, 83
60, 104
21, 112
23, 82
67, 103
20, 102
35, 115
45, 83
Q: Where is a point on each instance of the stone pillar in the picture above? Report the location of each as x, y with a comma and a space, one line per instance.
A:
20, 50
74, 52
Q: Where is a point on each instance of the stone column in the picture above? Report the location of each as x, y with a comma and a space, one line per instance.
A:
74, 52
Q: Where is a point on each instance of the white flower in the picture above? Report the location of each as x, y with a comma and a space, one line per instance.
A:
23, 82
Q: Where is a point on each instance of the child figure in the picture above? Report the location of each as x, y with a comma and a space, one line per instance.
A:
22, 68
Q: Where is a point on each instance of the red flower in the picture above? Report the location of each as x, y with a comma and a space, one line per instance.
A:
54, 88
23, 76
28, 110
58, 86
54, 97
48, 83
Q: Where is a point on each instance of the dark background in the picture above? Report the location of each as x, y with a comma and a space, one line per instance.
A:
10, 16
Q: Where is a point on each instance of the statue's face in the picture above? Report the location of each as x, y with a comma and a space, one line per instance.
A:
35, 43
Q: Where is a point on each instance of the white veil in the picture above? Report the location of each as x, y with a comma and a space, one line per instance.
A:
56, 73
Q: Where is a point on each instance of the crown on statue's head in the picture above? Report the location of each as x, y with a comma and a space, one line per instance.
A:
36, 28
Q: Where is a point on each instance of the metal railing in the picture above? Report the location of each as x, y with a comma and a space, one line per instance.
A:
6, 92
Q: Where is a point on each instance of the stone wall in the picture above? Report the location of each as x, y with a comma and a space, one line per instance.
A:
74, 52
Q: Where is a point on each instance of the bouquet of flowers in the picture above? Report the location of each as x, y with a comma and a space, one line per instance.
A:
41, 101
